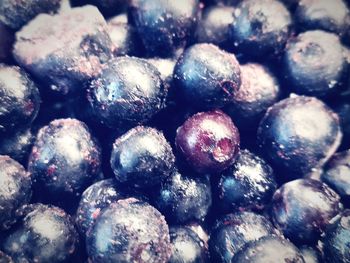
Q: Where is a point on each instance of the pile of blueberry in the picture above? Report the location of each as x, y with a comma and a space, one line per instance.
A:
174, 131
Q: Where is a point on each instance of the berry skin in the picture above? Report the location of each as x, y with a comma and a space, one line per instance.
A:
164, 26
260, 27
292, 137
129, 231
233, 231
19, 99
337, 175
207, 76
270, 249
214, 27
45, 234
311, 255
314, 64
183, 199
65, 159
332, 16
303, 208
142, 158
16, 14
63, 51
128, 91
336, 241
5, 258
248, 184
208, 141
93, 200
15, 190
187, 247
259, 90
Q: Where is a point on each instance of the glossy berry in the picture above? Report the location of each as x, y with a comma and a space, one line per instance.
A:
303, 208
187, 247
331, 16
183, 199
336, 241
129, 231
248, 184
209, 141
19, 99
311, 255
314, 63
164, 26
207, 76
93, 200
337, 175
45, 234
142, 158
64, 50
260, 27
270, 249
124, 37
16, 14
128, 91
17, 145
15, 190
65, 159
233, 231
293, 138
214, 26
259, 90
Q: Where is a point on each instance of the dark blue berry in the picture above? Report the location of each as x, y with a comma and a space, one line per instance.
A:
248, 184
303, 208
206, 76
15, 190
142, 158
129, 231
183, 198
299, 134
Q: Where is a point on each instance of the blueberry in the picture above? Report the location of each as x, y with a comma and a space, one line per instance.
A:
343, 111
200, 231
214, 27
336, 241
124, 37
314, 63
270, 249
233, 231
303, 208
5, 258
260, 27
129, 231
65, 159
17, 145
164, 26
142, 158
16, 14
187, 247
6, 42
128, 91
337, 175
258, 91
293, 138
15, 190
248, 184
64, 50
331, 16
207, 76
209, 141
93, 200
183, 199
45, 234
311, 255
19, 99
